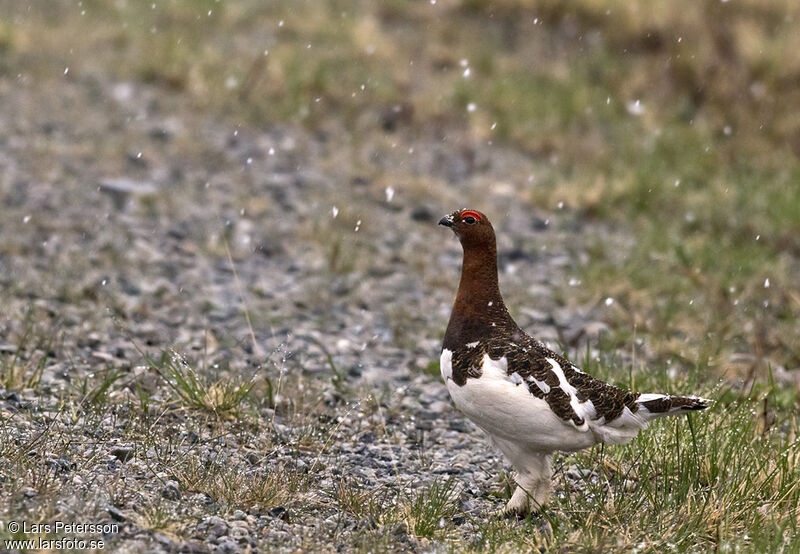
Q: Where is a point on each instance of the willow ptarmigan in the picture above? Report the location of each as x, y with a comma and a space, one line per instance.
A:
528, 399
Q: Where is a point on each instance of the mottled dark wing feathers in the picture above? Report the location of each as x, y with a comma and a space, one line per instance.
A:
670, 403
528, 358
466, 364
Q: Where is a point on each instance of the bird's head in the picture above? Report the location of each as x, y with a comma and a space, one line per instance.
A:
471, 227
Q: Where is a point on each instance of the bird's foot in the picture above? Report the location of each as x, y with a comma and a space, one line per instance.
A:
512, 513
520, 505
536, 516
519, 513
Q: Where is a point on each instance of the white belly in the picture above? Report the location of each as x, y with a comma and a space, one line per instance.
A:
505, 409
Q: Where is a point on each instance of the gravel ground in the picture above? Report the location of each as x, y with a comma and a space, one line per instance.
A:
132, 224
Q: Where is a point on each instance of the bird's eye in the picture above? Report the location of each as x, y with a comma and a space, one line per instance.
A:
470, 217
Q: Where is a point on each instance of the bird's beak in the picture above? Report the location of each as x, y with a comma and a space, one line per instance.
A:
447, 221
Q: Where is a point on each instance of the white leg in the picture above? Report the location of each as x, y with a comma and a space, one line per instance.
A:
534, 480
519, 503
541, 497
534, 476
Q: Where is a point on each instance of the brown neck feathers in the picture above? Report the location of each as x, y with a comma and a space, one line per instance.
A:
478, 303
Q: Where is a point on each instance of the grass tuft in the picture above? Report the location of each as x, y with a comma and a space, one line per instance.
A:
240, 487
351, 497
220, 397
428, 511
22, 367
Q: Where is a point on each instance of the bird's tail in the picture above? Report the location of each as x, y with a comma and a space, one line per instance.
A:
659, 405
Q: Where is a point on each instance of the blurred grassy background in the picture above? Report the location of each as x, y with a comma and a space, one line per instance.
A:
674, 122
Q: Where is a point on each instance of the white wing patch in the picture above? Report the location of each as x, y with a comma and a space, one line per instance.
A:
544, 387
516, 378
584, 410
649, 396
562, 379
500, 365
446, 364
472, 344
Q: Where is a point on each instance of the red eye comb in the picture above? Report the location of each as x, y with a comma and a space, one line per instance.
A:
468, 213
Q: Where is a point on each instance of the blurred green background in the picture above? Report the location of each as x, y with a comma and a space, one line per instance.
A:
676, 123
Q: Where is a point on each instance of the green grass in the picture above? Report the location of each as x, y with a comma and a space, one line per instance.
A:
704, 488
239, 487
154, 517
726, 478
220, 397
22, 368
429, 511
359, 502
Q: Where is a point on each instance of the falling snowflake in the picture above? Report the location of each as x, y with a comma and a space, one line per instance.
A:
635, 108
